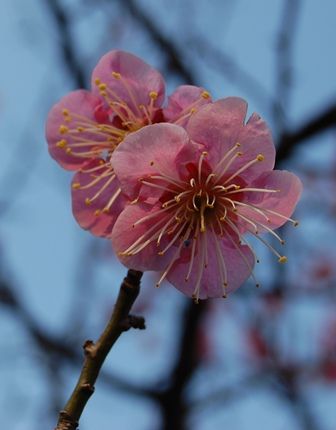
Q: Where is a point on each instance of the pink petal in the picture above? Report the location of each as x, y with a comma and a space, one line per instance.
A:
154, 149
255, 138
137, 78
220, 125
91, 217
283, 202
238, 270
183, 99
80, 102
217, 125
124, 235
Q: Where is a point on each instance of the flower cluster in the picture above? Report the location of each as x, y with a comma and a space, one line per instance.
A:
175, 186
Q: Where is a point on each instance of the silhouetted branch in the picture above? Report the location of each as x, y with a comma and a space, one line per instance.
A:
168, 49
172, 400
284, 57
68, 50
318, 124
228, 67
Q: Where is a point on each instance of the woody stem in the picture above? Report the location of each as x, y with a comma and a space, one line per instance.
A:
95, 353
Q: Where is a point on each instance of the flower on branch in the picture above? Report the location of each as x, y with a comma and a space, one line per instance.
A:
84, 128
196, 191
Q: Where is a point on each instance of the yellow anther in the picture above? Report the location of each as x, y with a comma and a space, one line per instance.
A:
61, 143
68, 150
193, 110
204, 153
65, 112
87, 201
103, 93
116, 75
205, 95
239, 154
238, 144
102, 87
63, 129
283, 259
160, 253
97, 81
153, 95
80, 129
97, 212
106, 210
260, 157
76, 185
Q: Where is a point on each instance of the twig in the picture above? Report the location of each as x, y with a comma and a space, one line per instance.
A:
64, 25
166, 45
227, 66
316, 125
284, 62
172, 400
95, 353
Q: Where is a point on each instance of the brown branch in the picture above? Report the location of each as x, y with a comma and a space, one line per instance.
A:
95, 353
58, 349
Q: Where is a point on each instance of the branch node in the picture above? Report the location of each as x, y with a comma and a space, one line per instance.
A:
89, 388
89, 348
133, 321
66, 422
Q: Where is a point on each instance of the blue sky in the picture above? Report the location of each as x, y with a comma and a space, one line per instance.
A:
40, 240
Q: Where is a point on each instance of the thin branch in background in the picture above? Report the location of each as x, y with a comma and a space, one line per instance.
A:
284, 62
64, 24
228, 67
170, 51
59, 349
172, 400
316, 125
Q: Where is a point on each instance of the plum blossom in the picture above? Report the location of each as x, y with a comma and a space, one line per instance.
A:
195, 192
84, 128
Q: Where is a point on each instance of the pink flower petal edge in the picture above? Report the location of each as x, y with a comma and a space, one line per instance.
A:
129, 78
219, 126
204, 203
59, 140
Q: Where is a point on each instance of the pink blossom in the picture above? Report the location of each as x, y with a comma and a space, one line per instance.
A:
196, 192
85, 127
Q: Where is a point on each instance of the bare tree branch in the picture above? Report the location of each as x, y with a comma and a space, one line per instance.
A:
172, 401
284, 59
63, 23
168, 49
316, 125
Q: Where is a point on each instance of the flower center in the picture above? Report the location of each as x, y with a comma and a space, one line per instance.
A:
206, 206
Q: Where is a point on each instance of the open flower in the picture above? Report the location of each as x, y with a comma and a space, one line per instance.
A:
85, 127
197, 191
